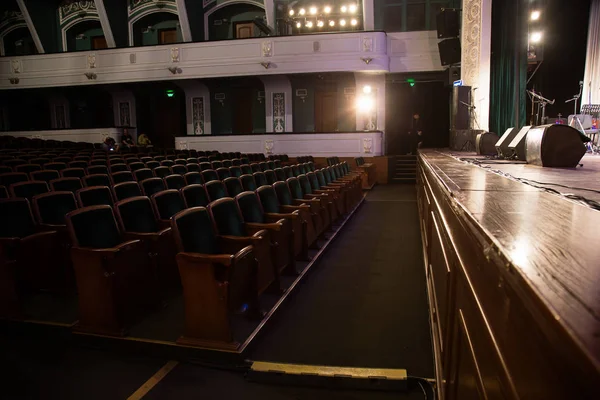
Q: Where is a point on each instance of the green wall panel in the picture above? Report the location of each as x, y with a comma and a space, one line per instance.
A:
41, 12
116, 11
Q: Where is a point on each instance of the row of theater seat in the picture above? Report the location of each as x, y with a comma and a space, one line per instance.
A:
200, 235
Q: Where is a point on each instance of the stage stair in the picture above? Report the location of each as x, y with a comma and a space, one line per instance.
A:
404, 169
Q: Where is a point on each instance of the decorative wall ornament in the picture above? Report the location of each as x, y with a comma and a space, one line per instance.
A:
91, 60
302, 93
471, 46
132, 58
267, 49
136, 4
316, 47
278, 112
10, 18
15, 66
90, 75
366, 60
367, 44
124, 114
182, 145
266, 65
198, 115
174, 54
367, 145
68, 8
269, 144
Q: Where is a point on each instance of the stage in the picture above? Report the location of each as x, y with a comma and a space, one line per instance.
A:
512, 273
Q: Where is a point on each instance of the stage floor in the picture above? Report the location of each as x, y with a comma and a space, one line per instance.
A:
582, 181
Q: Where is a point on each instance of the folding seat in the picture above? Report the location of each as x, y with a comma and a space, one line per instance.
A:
114, 168
130, 159
255, 167
277, 164
192, 167
99, 162
298, 216
233, 186
235, 171
296, 170
78, 164
280, 231
246, 169
180, 161
162, 171
125, 190
142, 174
280, 174
248, 182
352, 182
166, 204
214, 157
3, 193
123, 176
203, 159
50, 209
236, 162
72, 173
151, 186
146, 159
9, 178
138, 222
174, 181
223, 173
210, 175
229, 223
45, 175
179, 169
334, 201
205, 166
27, 168
114, 276
270, 165
66, 184
159, 158
344, 186
227, 163
28, 189
84, 159
260, 179
311, 166
116, 161
94, 196
96, 180
192, 178
195, 196
271, 177
319, 206
33, 252
245, 160
134, 166
171, 157
207, 264
289, 172
216, 190
14, 162
57, 166
4, 169
167, 163
39, 161
261, 157
152, 164
97, 169
216, 164
191, 160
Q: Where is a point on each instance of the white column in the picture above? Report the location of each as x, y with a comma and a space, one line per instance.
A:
106, 29
476, 54
31, 26
194, 89
368, 15
270, 13
184, 22
274, 86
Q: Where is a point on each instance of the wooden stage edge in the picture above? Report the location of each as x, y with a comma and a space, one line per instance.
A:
513, 279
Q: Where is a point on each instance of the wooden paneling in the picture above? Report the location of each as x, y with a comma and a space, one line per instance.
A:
513, 285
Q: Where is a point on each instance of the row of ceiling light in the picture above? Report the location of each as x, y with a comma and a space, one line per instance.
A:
325, 16
314, 10
331, 23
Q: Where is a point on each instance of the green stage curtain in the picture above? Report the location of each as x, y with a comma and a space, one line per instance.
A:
509, 23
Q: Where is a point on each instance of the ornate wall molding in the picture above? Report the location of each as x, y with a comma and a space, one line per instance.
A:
71, 9
471, 41
198, 115
138, 6
278, 112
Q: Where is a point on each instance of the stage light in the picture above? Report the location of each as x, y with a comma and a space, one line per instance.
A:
291, 12
302, 11
313, 10
365, 104
367, 89
535, 15
332, 23
353, 22
352, 8
320, 24
309, 24
536, 37
342, 22
327, 9
298, 25
344, 9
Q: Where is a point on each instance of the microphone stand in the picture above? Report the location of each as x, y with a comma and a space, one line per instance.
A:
542, 103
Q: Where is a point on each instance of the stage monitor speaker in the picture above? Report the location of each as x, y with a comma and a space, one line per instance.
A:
559, 146
449, 51
485, 143
448, 23
516, 148
504, 141
461, 95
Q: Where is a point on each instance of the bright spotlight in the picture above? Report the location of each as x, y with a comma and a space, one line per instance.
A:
535, 15
344, 9
342, 22
327, 9
536, 37
302, 11
332, 23
292, 12
352, 8
367, 89
309, 24
298, 25
353, 22
313, 10
365, 104
320, 24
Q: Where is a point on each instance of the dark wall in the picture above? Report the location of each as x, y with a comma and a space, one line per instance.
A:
116, 10
26, 46
28, 110
304, 110
195, 12
44, 16
90, 107
241, 111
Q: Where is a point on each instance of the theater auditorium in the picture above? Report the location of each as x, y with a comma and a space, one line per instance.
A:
299, 199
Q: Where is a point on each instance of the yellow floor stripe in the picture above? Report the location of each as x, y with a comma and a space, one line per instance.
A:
153, 381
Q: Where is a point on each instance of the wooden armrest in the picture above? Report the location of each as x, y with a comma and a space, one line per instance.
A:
108, 253
38, 236
299, 207
223, 259
51, 227
277, 216
147, 235
276, 226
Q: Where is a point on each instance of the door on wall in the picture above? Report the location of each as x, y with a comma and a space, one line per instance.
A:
167, 36
99, 42
244, 30
242, 112
326, 117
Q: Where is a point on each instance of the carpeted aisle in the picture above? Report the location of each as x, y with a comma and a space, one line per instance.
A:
365, 304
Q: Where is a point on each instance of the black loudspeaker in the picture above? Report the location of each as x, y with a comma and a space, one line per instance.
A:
504, 141
448, 23
485, 143
558, 146
516, 148
453, 75
460, 112
449, 51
